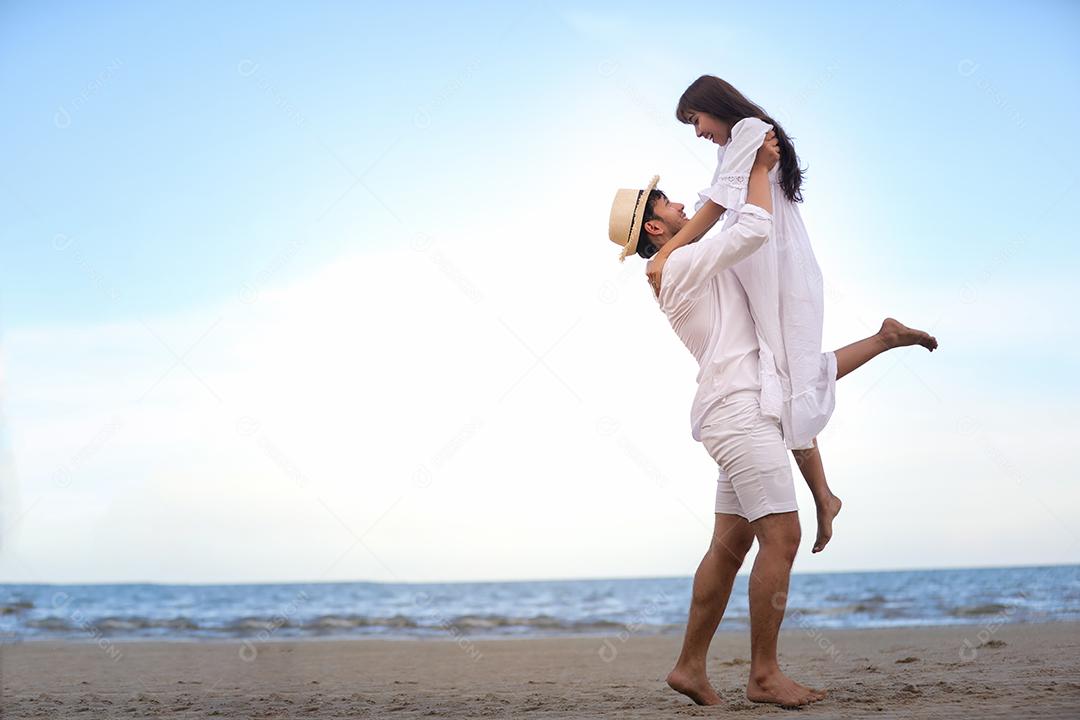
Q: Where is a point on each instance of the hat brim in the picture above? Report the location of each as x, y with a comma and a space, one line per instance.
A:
638, 219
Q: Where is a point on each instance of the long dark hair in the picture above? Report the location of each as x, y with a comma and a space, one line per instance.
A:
709, 94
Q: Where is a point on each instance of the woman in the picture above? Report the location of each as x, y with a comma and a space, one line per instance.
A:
783, 282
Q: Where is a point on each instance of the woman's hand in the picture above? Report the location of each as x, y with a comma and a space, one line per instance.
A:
654, 270
769, 152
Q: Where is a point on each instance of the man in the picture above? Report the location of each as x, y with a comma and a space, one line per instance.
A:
708, 309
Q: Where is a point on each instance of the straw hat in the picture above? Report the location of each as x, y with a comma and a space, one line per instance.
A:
627, 216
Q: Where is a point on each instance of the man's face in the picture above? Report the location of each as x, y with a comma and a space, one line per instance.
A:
669, 219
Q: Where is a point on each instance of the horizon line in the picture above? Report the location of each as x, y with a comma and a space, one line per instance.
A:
528, 580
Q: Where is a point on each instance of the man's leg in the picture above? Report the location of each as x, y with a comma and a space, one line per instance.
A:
892, 334
731, 540
778, 538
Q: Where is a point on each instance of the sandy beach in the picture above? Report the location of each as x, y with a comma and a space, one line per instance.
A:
995, 671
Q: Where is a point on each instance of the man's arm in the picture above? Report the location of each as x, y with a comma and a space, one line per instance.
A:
739, 158
710, 212
711, 255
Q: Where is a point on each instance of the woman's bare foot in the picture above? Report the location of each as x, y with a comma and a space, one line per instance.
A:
825, 515
694, 685
778, 689
895, 334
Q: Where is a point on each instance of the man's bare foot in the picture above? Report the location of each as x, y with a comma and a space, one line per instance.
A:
825, 515
694, 685
778, 689
895, 334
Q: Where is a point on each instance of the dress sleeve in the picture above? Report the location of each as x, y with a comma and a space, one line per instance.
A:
692, 266
733, 171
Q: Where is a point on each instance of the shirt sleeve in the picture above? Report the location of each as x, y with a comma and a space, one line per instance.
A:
728, 189
690, 267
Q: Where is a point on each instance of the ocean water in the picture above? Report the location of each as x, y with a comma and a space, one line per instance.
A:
987, 597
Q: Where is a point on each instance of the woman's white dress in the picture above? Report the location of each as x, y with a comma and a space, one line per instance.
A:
785, 291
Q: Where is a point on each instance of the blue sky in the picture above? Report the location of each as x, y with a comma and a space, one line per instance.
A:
276, 279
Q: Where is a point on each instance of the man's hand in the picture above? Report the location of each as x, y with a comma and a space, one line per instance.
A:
769, 152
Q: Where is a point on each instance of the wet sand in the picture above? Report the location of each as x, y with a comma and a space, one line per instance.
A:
948, 672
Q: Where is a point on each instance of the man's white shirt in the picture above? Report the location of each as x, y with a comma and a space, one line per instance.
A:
707, 308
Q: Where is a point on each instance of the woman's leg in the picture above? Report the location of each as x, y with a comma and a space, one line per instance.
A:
826, 503
892, 334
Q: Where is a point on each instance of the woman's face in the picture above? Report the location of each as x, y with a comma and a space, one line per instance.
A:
711, 128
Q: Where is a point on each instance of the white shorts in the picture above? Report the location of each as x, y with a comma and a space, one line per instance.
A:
755, 473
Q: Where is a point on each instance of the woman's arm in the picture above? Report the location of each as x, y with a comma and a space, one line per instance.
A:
758, 193
748, 137
692, 269
728, 247
694, 228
